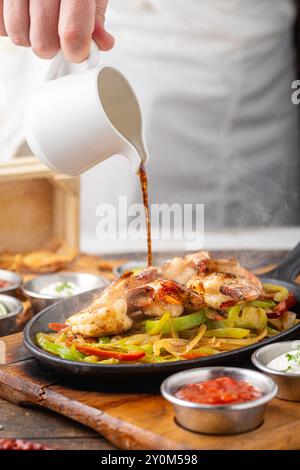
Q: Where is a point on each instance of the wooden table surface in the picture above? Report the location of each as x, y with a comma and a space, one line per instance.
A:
46, 427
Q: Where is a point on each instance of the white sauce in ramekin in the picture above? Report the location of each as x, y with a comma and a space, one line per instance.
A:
61, 289
288, 362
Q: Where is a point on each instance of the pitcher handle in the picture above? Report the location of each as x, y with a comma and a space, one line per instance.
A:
59, 63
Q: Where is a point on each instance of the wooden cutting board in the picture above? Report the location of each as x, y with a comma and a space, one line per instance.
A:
131, 420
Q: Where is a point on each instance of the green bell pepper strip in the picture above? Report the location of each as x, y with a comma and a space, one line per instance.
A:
237, 333
253, 318
78, 356
148, 348
233, 314
217, 324
112, 360
249, 315
200, 352
91, 359
267, 304
228, 322
104, 340
155, 327
150, 358
61, 351
178, 324
281, 293
272, 331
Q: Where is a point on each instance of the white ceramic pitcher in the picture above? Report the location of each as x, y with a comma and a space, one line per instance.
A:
82, 114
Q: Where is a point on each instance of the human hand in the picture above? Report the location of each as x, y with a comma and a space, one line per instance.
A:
48, 25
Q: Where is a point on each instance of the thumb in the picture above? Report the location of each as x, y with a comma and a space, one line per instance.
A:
102, 37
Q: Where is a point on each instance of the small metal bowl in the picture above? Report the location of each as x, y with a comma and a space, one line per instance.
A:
10, 323
134, 266
219, 419
84, 281
288, 384
11, 277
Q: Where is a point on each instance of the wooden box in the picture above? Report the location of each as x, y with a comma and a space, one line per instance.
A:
37, 207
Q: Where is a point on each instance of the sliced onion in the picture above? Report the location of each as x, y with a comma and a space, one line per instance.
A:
137, 339
288, 320
238, 343
177, 346
196, 340
172, 345
276, 322
173, 331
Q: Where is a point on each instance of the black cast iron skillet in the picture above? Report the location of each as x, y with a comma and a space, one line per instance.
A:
284, 275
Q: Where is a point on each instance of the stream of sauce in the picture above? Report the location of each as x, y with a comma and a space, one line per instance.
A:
144, 187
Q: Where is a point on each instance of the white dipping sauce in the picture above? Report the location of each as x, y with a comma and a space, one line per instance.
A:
61, 289
287, 362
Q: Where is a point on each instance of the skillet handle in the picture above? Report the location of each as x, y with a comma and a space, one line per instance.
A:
289, 267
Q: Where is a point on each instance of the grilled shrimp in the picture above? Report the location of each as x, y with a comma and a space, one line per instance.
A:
107, 314
162, 296
183, 269
101, 319
232, 266
183, 284
217, 280
146, 292
221, 288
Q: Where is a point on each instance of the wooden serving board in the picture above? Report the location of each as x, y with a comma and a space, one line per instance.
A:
131, 420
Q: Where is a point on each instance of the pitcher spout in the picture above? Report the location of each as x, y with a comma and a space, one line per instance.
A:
135, 156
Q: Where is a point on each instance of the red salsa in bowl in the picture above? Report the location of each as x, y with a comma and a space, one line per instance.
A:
5, 284
219, 391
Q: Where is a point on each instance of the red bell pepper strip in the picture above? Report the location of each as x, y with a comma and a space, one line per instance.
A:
291, 301
283, 306
69, 340
227, 304
194, 355
57, 326
219, 317
122, 356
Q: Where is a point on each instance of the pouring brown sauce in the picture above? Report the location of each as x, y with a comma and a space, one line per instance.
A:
144, 187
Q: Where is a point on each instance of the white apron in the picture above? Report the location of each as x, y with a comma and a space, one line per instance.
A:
214, 79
